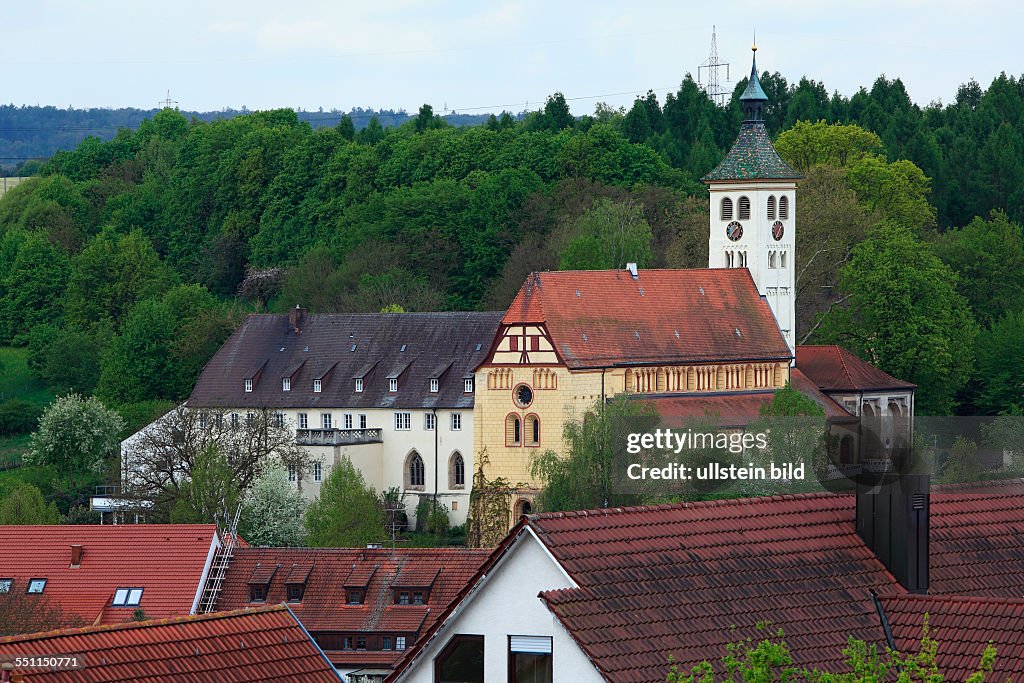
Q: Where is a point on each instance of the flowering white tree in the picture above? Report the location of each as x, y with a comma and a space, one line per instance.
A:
75, 435
272, 510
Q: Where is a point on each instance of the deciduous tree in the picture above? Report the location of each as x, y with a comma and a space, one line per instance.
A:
347, 513
75, 435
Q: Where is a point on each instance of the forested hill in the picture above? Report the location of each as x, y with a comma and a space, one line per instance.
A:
29, 134
127, 262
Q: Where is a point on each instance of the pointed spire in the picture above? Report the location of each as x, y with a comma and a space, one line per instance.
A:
753, 99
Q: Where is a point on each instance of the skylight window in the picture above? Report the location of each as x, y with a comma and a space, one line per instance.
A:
127, 597
5, 585
36, 585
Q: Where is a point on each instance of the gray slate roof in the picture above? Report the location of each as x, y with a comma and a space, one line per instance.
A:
446, 346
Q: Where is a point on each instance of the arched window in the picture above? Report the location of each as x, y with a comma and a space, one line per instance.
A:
414, 471
743, 259
783, 207
726, 209
744, 209
456, 471
533, 430
523, 507
772, 260
783, 260
513, 430
728, 259
771, 207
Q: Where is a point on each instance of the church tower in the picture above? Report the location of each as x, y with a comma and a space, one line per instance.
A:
753, 211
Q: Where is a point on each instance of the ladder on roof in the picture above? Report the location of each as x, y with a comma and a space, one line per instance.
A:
219, 566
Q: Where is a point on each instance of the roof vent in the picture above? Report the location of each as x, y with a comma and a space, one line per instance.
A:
631, 267
76, 555
585, 338
738, 333
641, 291
701, 290
636, 334
918, 501
577, 293
677, 334
306, 349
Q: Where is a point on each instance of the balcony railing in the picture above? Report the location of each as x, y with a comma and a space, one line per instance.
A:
337, 437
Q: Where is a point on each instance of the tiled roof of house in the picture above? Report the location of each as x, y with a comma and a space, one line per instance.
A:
833, 368
674, 580
338, 349
962, 627
165, 560
752, 157
265, 644
444, 571
602, 318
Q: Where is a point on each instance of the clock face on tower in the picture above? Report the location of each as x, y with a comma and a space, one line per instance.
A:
778, 230
734, 231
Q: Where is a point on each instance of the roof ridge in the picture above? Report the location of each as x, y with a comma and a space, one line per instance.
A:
713, 503
985, 483
982, 599
149, 623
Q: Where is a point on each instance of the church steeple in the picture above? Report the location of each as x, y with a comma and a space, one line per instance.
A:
753, 100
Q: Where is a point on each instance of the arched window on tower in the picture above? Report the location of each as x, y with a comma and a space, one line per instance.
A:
743, 259
783, 260
728, 259
414, 474
744, 209
783, 208
772, 262
771, 208
726, 209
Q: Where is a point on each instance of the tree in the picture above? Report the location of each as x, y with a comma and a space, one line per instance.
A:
211, 495
816, 144
139, 363
347, 513
608, 235
75, 435
999, 374
899, 190
589, 475
23, 613
905, 316
272, 511
24, 504
795, 430
31, 286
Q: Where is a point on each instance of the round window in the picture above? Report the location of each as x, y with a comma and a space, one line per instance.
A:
522, 395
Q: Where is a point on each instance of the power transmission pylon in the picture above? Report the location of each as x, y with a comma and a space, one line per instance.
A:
714, 86
168, 103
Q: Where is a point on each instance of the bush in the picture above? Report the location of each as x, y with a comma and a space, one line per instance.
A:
18, 417
432, 517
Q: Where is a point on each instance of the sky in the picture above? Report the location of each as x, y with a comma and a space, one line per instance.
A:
474, 57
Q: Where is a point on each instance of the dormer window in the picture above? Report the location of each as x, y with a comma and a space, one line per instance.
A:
295, 592
402, 598
359, 385
354, 597
469, 385
286, 384
434, 386
317, 385
257, 593
127, 597
248, 386
393, 385
417, 597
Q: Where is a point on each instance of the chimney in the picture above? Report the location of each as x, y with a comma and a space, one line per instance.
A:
633, 273
295, 317
76, 556
892, 519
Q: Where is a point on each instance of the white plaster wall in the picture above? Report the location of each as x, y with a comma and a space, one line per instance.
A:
507, 604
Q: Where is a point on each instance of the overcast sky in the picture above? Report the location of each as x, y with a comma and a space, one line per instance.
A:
477, 56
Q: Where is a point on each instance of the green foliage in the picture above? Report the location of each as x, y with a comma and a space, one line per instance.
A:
32, 277
608, 235
272, 510
1000, 366
75, 436
905, 316
586, 477
805, 144
18, 416
347, 513
962, 464
24, 504
211, 495
432, 517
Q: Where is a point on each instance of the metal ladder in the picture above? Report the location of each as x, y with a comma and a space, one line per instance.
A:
219, 566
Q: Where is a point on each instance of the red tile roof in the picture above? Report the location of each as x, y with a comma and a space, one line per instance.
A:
604, 317
166, 560
674, 580
265, 644
323, 609
962, 627
833, 368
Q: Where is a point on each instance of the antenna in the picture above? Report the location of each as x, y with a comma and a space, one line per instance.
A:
168, 103
714, 86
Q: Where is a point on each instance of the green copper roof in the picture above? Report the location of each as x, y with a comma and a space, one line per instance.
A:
752, 157
754, 91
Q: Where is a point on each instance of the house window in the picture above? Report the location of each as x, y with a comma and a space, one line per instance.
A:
295, 591
456, 472
248, 386
353, 597
414, 470
772, 262
359, 385
318, 471
257, 592
782, 260
279, 419
250, 419
462, 659
399, 642
403, 421
303, 421
361, 643
392, 385
456, 422
433, 386
533, 423
5, 585
202, 420
286, 384
348, 420
127, 597
529, 659
513, 430
744, 209
417, 597
771, 208
469, 385
429, 422
402, 598
325, 420
346, 643
385, 643
362, 421
36, 585
726, 209
783, 207
317, 386
293, 472
234, 420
